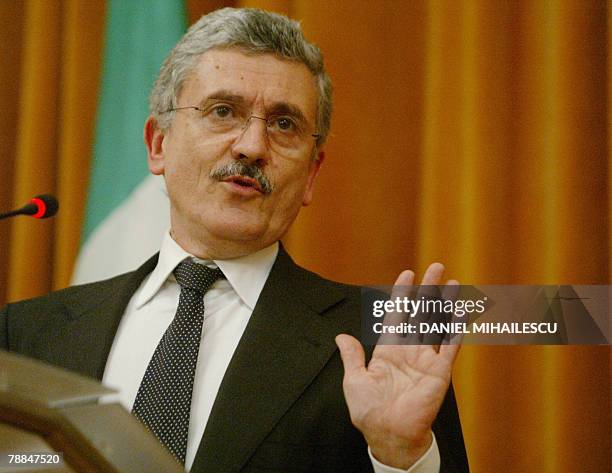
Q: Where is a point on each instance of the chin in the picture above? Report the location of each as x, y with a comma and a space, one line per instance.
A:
242, 229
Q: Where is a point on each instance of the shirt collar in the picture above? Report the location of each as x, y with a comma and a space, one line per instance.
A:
247, 274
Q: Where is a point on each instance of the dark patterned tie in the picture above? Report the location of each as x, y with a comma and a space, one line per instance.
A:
163, 402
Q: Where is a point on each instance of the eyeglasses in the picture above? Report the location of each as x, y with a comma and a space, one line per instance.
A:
287, 135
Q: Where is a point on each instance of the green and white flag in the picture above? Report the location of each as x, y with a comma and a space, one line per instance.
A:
127, 208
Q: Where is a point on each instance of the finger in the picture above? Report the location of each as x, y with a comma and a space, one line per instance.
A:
450, 290
433, 274
451, 293
352, 354
401, 288
428, 290
431, 279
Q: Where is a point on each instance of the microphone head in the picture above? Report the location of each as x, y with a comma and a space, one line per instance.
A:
46, 206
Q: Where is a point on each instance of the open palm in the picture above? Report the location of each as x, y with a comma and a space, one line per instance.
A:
394, 400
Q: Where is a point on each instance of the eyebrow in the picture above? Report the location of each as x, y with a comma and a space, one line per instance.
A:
284, 108
276, 108
224, 95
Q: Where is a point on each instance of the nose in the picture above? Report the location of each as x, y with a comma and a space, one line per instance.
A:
252, 142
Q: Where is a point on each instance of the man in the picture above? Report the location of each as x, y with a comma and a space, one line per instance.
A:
274, 381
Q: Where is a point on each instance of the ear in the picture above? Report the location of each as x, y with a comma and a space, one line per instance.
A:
154, 139
315, 167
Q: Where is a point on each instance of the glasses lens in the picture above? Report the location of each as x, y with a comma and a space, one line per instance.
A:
286, 135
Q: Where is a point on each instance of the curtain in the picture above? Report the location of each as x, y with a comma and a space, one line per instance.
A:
473, 132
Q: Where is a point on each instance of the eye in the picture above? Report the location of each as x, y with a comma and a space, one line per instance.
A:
221, 111
285, 124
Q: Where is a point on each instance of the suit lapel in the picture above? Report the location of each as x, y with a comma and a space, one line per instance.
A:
285, 345
81, 339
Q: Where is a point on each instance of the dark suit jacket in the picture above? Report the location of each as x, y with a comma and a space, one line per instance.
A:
280, 406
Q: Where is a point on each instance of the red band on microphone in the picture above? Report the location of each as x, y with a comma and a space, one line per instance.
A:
42, 207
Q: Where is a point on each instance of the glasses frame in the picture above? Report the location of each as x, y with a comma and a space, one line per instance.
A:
246, 123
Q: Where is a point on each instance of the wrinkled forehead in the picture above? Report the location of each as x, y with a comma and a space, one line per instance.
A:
260, 80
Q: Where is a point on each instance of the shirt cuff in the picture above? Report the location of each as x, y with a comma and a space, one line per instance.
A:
428, 463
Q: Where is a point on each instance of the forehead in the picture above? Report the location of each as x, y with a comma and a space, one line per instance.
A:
261, 79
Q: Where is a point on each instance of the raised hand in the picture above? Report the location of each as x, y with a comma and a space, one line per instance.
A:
395, 399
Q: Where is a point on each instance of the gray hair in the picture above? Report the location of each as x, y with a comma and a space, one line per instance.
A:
253, 31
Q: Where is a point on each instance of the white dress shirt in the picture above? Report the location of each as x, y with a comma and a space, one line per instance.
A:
228, 304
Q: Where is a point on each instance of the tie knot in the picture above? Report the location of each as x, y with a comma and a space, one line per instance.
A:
196, 276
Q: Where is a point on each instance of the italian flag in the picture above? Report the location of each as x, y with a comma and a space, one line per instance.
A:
127, 208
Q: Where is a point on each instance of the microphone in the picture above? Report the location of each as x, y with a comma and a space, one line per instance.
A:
41, 206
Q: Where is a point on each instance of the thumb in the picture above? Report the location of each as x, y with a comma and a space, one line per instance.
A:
352, 354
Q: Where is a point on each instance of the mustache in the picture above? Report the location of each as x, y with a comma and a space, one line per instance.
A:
240, 168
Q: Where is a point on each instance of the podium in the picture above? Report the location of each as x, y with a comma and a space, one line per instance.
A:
56, 417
